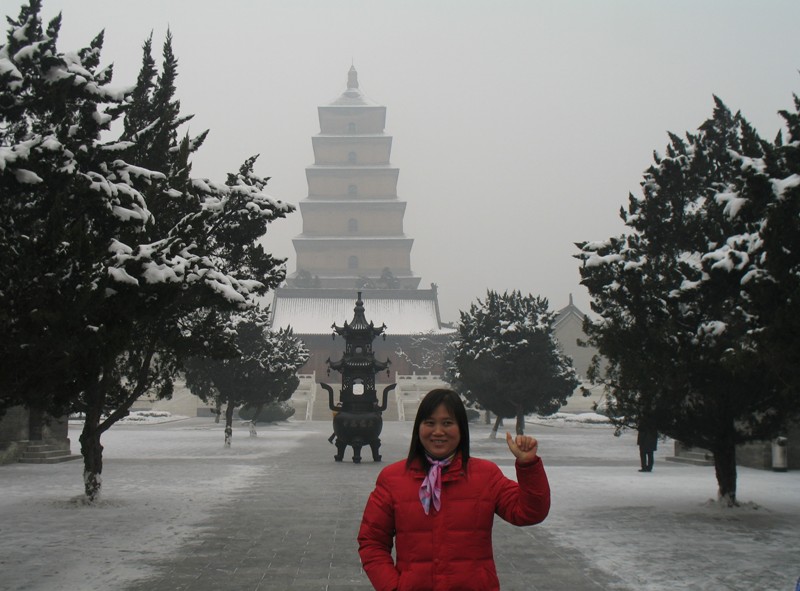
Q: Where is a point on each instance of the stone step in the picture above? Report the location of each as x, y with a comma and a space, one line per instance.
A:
694, 458
46, 453
51, 460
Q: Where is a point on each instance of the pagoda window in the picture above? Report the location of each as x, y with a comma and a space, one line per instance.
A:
352, 158
352, 225
352, 262
351, 128
352, 190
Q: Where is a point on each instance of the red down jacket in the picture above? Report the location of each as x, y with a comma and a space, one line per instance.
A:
450, 550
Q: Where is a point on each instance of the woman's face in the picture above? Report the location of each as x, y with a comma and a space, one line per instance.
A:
439, 433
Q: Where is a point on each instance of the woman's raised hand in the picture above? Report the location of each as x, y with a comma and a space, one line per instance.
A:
523, 447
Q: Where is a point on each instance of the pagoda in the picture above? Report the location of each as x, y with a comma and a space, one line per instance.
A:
352, 218
353, 240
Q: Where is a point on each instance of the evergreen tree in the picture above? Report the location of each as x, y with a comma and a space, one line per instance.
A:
773, 255
507, 360
263, 371
200, 254
676, 303
388, 280
427, 352
113, 272
64, 199
152, 122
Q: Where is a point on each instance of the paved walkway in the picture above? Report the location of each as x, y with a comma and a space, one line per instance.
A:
297, 530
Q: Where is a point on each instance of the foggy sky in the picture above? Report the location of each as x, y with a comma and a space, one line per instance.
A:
519, 126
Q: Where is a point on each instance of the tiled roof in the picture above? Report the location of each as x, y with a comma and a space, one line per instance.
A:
568, 311
313, 311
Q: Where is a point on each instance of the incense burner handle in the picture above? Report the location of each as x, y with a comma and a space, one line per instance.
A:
331, 405
386, 391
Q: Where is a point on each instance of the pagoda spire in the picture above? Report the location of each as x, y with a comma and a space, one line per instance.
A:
352, 78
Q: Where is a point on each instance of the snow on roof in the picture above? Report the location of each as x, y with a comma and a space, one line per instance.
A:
568, 311
309, 237
352, 97
353, 94
404, 312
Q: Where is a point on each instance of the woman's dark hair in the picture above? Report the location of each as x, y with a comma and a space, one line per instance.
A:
452, 402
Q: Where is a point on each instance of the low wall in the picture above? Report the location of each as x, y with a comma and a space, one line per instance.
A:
411, 389
759, 453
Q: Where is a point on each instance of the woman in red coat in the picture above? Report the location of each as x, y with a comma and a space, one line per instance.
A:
438, 506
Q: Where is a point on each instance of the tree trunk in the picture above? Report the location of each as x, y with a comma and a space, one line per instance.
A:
229, 424
497, 424
92, 452
35, 424
257, 412
520, 421
94, 425
725, 468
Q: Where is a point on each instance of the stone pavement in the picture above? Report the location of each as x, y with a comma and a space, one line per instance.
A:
297, 530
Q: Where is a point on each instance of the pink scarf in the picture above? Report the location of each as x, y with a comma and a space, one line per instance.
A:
431, 489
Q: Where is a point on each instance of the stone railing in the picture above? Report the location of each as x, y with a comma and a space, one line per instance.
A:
306, 393
410, 390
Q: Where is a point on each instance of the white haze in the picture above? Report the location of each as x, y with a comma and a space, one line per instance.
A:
519, 126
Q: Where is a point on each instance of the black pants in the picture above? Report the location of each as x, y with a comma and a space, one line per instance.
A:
646, 457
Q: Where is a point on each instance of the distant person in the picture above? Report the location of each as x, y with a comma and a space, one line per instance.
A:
437, 507
647, 440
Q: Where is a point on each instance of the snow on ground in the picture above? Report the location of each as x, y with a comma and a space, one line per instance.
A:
149, 507
655, 532
138, 417
663, 530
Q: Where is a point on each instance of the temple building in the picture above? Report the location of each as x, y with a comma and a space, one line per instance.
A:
353, 241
